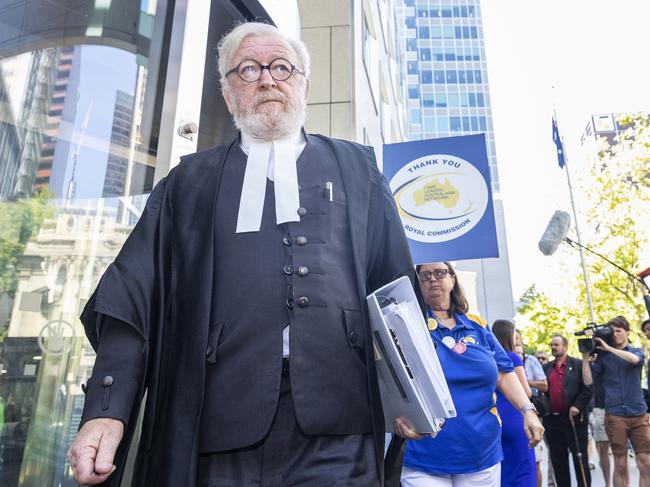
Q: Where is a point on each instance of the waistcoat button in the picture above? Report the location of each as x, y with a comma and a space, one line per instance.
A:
303, 270
303, 301
301, 240
288, 270
353, 337
286, 240
302, 211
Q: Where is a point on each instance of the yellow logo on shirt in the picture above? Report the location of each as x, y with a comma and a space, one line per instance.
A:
432, 324
469, 339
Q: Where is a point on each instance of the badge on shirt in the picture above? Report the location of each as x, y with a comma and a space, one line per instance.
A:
432, 324
469, 339
460, 348
449, 342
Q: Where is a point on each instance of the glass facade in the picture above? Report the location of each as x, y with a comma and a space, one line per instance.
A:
446, 72
85, 127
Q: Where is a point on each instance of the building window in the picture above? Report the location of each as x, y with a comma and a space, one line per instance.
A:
414, 93
455, 124
443, 124
426, 77
429, 124
423, 32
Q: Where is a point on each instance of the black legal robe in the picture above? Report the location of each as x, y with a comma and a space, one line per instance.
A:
160, 284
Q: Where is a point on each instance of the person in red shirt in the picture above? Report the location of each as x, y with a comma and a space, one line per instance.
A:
569, 398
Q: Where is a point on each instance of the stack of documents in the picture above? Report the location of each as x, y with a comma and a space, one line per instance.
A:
411, 380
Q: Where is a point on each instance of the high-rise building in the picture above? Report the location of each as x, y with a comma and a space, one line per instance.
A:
54, 117
448, 95
117, 165
608, 126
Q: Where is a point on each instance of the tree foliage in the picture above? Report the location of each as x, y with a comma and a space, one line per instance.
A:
616, 192
19, 221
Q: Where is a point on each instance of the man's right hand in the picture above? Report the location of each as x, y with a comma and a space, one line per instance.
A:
93, 451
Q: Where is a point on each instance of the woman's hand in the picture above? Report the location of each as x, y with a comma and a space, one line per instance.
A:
404, 429
533, 428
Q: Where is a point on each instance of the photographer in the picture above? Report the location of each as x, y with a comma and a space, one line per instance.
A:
620, 366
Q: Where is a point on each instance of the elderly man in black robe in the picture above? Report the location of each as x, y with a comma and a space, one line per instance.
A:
238, 302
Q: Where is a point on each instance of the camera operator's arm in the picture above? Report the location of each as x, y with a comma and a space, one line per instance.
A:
586, 369
581, 402
629, 357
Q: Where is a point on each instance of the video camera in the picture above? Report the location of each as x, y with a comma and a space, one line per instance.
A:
592, 330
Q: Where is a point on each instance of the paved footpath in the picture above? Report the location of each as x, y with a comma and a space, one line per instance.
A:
597, 479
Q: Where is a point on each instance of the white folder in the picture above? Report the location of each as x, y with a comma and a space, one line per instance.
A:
411, 381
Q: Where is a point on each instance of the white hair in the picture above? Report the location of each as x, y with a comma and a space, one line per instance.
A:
231, 42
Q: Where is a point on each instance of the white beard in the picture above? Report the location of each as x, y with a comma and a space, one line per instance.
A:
271, 122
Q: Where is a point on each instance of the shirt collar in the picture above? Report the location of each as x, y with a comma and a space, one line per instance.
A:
561, 363
296, 139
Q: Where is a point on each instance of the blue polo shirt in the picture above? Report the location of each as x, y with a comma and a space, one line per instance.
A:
622, 383
471, 358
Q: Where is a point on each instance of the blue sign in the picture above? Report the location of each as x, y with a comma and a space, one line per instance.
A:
444, 198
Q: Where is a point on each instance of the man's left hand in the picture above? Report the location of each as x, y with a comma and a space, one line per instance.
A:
601, 345
533, 428
573, 411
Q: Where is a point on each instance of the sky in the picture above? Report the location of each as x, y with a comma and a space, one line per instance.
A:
581, 57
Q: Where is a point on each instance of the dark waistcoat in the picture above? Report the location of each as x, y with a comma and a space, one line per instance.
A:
298, 274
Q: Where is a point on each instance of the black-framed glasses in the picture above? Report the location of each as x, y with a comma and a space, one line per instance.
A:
250, 70
439, 274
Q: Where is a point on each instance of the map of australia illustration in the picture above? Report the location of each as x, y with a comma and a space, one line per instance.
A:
443, 193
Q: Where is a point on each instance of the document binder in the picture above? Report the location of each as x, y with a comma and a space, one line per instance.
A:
411, 381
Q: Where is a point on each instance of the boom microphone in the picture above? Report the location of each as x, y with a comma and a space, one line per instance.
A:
555, 232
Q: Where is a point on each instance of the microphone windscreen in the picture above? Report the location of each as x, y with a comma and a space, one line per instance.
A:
555, 232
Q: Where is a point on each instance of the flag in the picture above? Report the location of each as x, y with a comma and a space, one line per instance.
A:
558, 144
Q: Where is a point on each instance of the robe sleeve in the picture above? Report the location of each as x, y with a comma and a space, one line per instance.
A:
121, 314
112, 390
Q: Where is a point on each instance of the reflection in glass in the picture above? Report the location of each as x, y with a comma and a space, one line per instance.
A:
78, 140
53, 253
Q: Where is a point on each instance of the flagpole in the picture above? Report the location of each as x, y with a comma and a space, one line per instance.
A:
575, 219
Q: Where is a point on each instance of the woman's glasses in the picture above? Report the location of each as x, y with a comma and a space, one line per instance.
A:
439, 274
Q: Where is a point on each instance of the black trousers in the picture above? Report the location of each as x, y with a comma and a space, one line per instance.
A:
559, 435
287, 457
